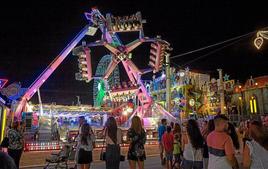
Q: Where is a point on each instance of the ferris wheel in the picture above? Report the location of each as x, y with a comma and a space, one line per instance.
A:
99, 88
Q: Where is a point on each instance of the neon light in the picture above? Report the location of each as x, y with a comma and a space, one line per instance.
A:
120, 52
255, 105
3, 124
101, 93
258, 42
50, 69
2, 100
251, 106
261, 35
3, 82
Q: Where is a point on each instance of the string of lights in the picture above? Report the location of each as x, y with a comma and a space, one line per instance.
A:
216, 44
211, 52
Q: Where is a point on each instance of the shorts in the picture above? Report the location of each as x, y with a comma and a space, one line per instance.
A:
84, 157
169, 156
177, 158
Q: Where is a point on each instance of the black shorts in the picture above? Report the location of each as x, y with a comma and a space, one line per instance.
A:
84, 157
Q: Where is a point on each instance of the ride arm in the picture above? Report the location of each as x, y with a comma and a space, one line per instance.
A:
131, 46
94, 44
134, 75
110, 68
111, 48
55, 63
163, 111
50, 69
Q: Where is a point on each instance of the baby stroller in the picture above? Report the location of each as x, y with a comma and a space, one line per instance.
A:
59, 160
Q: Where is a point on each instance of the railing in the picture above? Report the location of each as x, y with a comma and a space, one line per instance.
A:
57, 145
42, 146
235, 118
31, 145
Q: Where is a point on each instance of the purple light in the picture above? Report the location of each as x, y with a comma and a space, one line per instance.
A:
163, 76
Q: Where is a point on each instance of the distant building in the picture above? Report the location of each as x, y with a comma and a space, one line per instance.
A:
252, 97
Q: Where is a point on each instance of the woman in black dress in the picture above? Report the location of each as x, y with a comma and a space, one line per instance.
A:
113, 140
137, 138
86, 143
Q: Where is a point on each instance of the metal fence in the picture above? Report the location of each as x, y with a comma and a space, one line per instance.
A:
235, 118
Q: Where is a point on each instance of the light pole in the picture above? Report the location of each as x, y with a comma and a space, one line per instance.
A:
241, 99
221, 91
168, 86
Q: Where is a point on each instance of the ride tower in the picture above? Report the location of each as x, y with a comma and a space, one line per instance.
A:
110, 26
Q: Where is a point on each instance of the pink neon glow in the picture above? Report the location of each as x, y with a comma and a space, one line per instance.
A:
110, 68
163, 111
3, 82
49, 70
132, 70
89, 67
133, 45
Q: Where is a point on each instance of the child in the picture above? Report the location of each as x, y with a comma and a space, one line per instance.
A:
177, 150
168, 141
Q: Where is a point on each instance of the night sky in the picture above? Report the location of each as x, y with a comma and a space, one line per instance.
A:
32, 33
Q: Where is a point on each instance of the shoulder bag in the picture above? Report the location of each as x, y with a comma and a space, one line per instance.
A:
103, 153
5, 142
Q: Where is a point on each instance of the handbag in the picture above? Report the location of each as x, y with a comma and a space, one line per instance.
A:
5, 142
103, 153
140, 152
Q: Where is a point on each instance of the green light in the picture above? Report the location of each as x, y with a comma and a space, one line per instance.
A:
101, 93
130, 55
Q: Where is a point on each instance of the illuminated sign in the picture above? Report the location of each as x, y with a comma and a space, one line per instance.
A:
229, 85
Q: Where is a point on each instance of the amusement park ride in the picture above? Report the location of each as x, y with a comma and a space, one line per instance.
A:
110, 26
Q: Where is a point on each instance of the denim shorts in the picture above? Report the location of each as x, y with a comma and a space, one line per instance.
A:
169, 156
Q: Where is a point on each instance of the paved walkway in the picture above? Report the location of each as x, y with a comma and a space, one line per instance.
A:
151, 163
38, 158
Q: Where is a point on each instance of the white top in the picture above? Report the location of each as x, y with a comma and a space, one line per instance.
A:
217, 162
192, 154
119, 137
258, 154
89, 146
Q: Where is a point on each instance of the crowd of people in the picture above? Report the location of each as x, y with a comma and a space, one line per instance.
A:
192, 144
214, 144
112, 140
